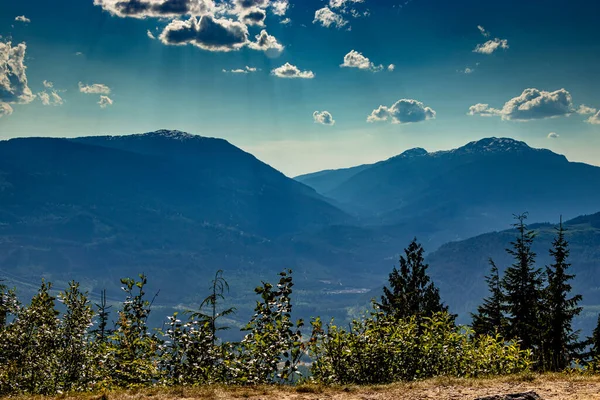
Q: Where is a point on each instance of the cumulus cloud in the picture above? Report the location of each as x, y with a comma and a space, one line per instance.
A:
105, 101
50, 99
207, 33
267, 43
5, 110
531, 104
327, 18
48, 84
280, 7
288, 70
14, 88
594, 119
553, 135
245, 70
483, 31
354, 59
491, 46
156, 8
22, 18
323, 117
254, 16
402, 112
251, 3
150, 34
391, 67
484, 110
585, 110
468, 70
95, 88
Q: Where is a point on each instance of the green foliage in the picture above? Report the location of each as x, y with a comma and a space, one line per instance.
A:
522, 285
411, 291
131, 359
272, 349
560, 342
490, 318
382, 349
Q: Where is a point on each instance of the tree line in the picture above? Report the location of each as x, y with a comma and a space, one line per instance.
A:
525, 324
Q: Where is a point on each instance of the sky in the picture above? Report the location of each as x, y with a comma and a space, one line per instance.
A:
306, 85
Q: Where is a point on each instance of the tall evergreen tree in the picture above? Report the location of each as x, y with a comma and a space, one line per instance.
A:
411, 291
560, 341
594, 343
522, 285
490, 318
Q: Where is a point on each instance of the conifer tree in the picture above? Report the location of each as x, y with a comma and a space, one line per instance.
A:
490, 318
411, 291
594, 343
522, 285
560, 341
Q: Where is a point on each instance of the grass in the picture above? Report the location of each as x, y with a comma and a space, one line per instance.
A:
549, 386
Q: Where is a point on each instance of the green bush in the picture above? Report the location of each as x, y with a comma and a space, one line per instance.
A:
381, 349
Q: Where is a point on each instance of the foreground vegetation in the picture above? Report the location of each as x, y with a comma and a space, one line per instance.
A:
525, 325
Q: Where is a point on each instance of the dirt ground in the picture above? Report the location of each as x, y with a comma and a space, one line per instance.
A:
549, 387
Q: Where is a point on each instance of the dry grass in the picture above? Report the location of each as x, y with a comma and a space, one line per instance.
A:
549, 387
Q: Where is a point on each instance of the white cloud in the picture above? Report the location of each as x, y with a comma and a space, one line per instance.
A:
253, 16
323, 117
402, 112
14, 88
280, 7
354, 59
327, 18
50, 99
245, 70
285, 21
291, 71
267, 43
553, 135
157, 8
483, 31
105, 101
594, 119
22, 18
207, 33
150, 35
48, 84
468, 70
484, 110
95, 88
79, 53
585, 110
391, 67
5, 110
491, 45
531, 104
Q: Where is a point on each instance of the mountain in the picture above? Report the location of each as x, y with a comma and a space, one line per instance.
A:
459, 267
465, 191
325, 181
173, 205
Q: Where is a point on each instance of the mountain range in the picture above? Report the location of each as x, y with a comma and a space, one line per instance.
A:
178, 207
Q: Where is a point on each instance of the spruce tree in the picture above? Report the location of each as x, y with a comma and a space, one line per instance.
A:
490, 318
560, 341
411, 291
594, 342
522, 285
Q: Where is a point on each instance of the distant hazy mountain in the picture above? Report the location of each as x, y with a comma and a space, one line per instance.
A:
469, 190
460, 267
173, 205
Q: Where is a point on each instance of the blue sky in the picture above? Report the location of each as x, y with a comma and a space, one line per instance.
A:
104, 74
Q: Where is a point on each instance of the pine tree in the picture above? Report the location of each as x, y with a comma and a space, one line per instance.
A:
490, 318
411, 291
594, 343
522, 285
560, 341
